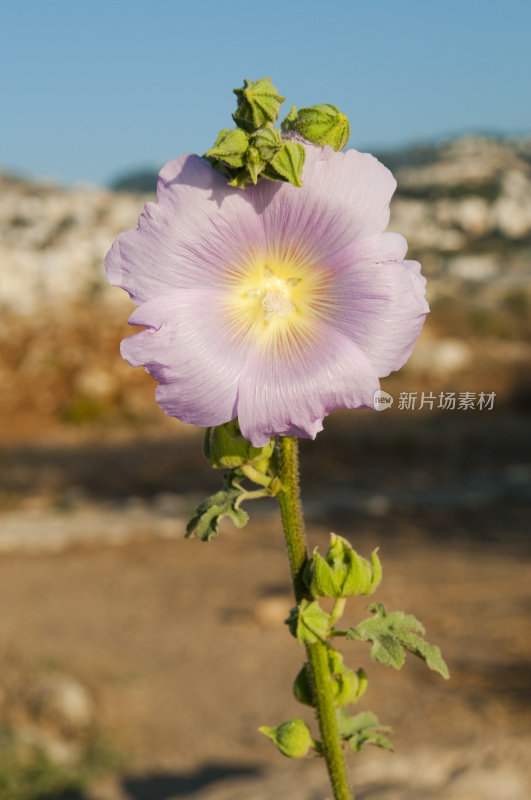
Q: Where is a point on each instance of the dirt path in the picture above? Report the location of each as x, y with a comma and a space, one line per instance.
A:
183, 646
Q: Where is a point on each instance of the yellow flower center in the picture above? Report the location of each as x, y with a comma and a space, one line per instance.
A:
272, 297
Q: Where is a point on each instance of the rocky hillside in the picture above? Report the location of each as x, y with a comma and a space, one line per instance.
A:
466, 212
464, 207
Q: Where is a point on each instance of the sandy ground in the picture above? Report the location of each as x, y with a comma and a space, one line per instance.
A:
182, 644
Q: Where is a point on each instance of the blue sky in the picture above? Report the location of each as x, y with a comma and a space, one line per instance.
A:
90, 90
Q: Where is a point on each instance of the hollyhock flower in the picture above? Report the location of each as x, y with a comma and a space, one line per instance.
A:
276, 304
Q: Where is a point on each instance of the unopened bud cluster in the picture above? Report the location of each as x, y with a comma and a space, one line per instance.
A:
257, 149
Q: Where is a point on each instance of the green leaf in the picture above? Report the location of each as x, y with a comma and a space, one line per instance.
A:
363, 729
224, 503
308, 622
394, 634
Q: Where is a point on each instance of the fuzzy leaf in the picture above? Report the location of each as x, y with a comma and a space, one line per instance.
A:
224, 503
392, 635
363, 729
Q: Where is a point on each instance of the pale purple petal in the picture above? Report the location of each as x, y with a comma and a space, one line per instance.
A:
189, 348
344, 197
196, 231
382, 308
290, 389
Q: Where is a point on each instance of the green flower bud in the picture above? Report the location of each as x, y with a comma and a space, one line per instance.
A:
293, 738
287, 164
322, 124
347, 685
268, 141
302, 687
258, 102
342, 572
230, 147
225, 447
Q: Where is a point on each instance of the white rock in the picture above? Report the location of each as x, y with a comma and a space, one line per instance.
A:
512, 216
440, 357
473, 214
62, 700
478, 268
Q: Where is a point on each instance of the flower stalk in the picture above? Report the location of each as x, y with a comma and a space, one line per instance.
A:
317, 653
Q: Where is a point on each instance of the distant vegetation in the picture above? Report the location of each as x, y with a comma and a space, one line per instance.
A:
417, 154
141, 180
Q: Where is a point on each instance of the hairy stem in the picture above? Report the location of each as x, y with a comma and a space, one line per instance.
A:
293, 522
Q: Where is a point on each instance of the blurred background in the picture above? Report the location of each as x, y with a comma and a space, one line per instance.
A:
136, 665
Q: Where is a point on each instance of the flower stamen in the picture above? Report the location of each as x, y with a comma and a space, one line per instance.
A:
276, 303
274, 295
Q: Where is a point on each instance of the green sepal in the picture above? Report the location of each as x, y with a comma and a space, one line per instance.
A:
230, 147
363, 729
376, 567
394, 634
225, 447
322, 124
342, 572
241, 179
225, 503
347, 685
288, 164
258, 102
308, 623
287, 122
293, 738
319, 578
254, 164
